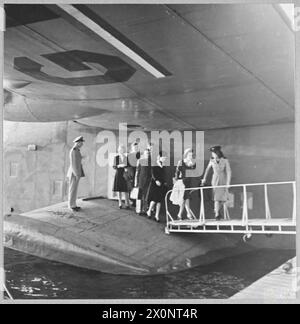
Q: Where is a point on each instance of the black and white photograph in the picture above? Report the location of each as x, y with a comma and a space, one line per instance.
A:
150, 152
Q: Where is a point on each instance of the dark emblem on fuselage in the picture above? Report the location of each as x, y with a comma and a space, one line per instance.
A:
116, 70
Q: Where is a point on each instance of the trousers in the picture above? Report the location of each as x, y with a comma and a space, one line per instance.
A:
73, 188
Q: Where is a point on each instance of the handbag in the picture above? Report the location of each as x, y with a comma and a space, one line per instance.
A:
229, 199
134, 193
177, 193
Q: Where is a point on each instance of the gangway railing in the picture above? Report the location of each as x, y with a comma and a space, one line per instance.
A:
6, 291
267, 225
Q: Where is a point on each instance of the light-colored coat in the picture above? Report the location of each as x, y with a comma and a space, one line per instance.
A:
75, 163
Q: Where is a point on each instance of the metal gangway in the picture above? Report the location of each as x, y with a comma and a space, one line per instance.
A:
243, 224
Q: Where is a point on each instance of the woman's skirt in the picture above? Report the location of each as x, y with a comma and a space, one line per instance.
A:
219, 194
156, 193
187, 193
120, 184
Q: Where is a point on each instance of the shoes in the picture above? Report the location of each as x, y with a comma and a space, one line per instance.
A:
133, 203
120, 207
157, 219
179, 217
142, 214
190, 217
77, 208
127, 207
218, 218
149, 213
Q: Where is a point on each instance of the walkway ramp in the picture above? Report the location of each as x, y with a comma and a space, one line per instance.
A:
253, 226
264, 221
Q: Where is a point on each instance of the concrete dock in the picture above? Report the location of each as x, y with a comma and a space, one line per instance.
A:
278, 284
102, 237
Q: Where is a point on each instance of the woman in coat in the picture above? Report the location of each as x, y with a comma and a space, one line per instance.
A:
158, 186
142, 181
121, 182
221, 177
133, 158
187, 163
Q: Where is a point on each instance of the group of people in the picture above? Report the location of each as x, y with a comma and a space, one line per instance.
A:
144, 185
150, 184
139, 180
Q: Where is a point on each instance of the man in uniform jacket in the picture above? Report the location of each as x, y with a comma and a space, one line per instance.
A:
75, 172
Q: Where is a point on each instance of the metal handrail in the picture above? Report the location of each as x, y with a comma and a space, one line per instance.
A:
245, 200
7, 292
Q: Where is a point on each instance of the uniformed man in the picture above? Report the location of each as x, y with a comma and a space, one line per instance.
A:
75, 172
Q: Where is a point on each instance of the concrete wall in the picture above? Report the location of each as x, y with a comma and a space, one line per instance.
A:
257, 154
35, 179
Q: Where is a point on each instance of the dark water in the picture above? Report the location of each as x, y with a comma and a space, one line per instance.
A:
29, 277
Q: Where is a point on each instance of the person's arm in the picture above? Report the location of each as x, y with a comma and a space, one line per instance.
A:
154, 176
206, 172
178, 170
126, 164
137, 173
228, 173
115, 163
131, 160
74, 163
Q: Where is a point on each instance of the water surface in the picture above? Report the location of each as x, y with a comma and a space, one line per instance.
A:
29, 277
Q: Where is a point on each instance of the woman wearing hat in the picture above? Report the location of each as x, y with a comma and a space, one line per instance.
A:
133, 158
187, 163
158, 187
121, 181
221, 177
142, 181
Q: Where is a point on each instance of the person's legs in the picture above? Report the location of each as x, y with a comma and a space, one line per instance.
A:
76, 188
217, 209
139, 202
188, 209
158, 206
133, 202
70, 194
144, 204
138, 207
225, 211
127, 202
73, 187
152, 205
179, 216
120, 198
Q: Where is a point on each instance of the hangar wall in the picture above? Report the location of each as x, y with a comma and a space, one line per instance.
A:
259, 154
34, 179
